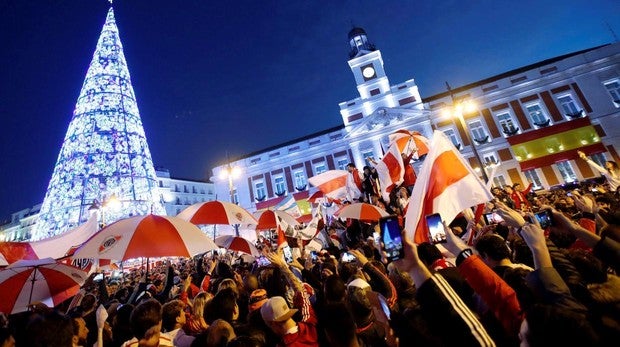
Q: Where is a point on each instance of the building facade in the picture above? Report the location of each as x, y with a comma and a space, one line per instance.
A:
175, 194
527, 125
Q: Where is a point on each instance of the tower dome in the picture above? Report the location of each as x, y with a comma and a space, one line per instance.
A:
359, 43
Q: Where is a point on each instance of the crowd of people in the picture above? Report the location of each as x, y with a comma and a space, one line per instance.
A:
505, 282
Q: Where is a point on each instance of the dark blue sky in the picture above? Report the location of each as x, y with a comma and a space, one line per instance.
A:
239, 76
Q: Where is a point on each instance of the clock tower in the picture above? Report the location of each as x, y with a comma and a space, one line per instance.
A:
366, 64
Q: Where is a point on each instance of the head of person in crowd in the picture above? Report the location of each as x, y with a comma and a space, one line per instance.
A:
334, 289
493, 250
547, 325
351, 167
612, 167
80, 331
200, 303
159, 285
228, 283
146, 320
6, 338
431, 256
278, 316
223, 306
339, 325
88, 303
257, 298
250, 283
219, 334
245, 341
173, 315
49, 330
497, 191
121, 323
521, 253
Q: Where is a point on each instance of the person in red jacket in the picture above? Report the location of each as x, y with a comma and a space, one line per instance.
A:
409, 177
278, 316
519, 196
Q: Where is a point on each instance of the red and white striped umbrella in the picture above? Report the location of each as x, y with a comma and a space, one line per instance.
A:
148, 236
268, 219
217, 212
407, 141
361, 211
239, 244
44, 280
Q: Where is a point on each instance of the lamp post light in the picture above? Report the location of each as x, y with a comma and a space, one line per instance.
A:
112, 202
230, 173
457, 110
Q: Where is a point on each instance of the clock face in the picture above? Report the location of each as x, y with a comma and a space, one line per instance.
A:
368, 72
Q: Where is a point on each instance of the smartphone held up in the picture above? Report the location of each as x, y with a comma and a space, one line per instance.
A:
436, 232
544, 218
391, 239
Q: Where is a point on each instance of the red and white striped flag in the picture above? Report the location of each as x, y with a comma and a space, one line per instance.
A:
335, 184
391, 171
446, 184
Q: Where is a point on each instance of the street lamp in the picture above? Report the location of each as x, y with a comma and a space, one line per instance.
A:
457, 110
112, 202
230, 173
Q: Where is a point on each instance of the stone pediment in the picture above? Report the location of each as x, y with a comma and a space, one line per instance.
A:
386, 117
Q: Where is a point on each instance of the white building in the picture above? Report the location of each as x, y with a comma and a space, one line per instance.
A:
531, 120
176, 195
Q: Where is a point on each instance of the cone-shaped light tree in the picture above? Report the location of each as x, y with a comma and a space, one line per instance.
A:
104, 154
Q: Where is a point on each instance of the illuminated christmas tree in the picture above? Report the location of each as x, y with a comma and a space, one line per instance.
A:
104, 153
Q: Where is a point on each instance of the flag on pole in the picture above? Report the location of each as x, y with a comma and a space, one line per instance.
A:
284, 230
391, 171
335, 184
446, 185
288, 205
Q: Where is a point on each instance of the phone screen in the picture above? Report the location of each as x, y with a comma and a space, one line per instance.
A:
437, 234
262, 261
493, 218
288, 255
544, 218
347, 257
391, 238
313, 256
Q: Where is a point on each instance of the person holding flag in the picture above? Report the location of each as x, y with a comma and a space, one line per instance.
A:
354, 183
446, 184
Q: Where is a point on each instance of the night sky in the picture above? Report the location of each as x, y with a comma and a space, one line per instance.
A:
213, 77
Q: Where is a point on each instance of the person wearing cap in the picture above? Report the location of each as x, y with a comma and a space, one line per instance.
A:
278, 316
257, 299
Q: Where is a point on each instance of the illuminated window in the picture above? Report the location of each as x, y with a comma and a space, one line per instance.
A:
532, 176
319, 168
567, 172
506, 123
300, 179
478, 132
368, 155
537, 115
613, 88
568, 105
453, 137
259, 190
342, 163
278, 182
599, 158
499, 181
